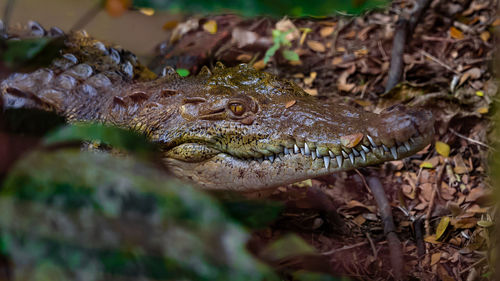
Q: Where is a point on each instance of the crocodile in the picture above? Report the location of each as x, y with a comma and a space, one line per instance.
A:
230, 128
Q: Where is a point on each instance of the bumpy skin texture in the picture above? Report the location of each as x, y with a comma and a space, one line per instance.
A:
235, 128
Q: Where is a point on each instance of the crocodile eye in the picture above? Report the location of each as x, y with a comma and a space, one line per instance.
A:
237, 108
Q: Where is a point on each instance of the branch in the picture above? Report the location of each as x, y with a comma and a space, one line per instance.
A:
395, 250
404, 28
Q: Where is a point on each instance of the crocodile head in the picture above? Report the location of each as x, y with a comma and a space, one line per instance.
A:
242, 129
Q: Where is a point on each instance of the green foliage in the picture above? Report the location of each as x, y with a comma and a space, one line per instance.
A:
289, 246
252, 213
295, 8
279, 41
102, 134
32, 52
68, 213
182, 72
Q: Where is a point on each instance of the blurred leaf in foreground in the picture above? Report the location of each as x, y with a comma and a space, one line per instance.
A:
31, 52
112, 136
294, 8
72, 215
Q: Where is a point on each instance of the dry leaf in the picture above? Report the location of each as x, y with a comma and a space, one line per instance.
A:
426, 164
350, 141
286, 25
244, 57
442, 226
243, 37
312, 92
435, 258
361, 52
259, 65
341, 49
496, 22
485, 36
289, 104
309, 80
316, 46
431, 239
326, 31
210, 26
485, 223
337, 60
482, 110
183, 28
350, 35
473, 73
359, 220
170, 24
455, 33
342, 84
442, 148
464, 223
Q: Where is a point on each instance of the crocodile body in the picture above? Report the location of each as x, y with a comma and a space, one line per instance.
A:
233, 128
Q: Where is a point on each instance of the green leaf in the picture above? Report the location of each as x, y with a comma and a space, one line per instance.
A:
252, 213
314, 276
33, 52
71, 213
290, 55
182, 72
288, 246
102, 134
295, 8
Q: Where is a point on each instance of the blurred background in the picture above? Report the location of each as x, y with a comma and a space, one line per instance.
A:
135, 31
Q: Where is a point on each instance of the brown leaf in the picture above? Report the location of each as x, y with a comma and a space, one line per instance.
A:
243, 37
485, 36
286, 25
316, 46
473, 73
289, 104
342, 84
244, 57
351, 141
464, 223
259, 65
309, 80
312, 92
455, 33
496, 22
435, 258
426, 191
326, 31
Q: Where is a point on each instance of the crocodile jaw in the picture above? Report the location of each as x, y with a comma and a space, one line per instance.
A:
225, 172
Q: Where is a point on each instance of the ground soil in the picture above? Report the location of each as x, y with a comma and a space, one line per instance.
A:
441, 197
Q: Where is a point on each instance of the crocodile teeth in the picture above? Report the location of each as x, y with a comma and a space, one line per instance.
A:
339, 160
331, 154
326, 160
271, 158
128, 69
385, 148
306, 149
286, 151
407, 145
371, 141
302, 151
313, 155
317, 152
394, 152
412, 140
363, 155
295, 149
366, 149
351, 157
345, 154
356, 153
260, 160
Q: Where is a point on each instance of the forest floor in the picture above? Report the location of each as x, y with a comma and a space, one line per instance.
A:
441, 197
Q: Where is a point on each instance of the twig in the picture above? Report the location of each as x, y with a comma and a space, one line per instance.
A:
87, 17
372, 245
345, 248
471, 140
433, 198
7, 12
404, 28
395, 249
439, 62
419, 237
472, 265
